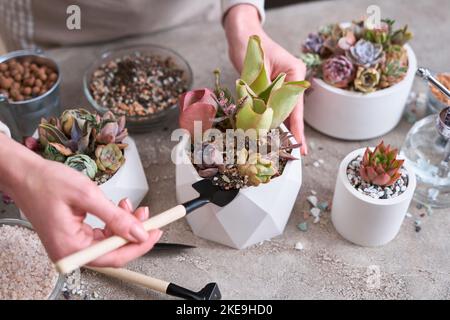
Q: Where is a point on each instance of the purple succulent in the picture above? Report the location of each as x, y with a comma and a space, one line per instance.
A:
113, 130
313, 43
338, 71
366, 54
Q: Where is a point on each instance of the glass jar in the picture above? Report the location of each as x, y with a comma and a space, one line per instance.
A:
428, 152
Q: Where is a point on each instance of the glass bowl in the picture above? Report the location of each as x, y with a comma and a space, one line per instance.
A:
61, 279
147, 122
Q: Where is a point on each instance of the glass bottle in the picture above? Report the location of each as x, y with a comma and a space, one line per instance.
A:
427, 148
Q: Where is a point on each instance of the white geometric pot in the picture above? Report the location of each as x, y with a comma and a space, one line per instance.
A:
364, 220
128, 182
351, 115
256, 214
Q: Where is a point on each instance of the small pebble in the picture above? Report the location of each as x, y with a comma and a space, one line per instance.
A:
323, 205
408, 215
315, 212
418, 228
313, 192
316, 164
312, 200
303, 226
299, 246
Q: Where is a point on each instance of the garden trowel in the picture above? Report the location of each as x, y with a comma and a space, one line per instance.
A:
209, 193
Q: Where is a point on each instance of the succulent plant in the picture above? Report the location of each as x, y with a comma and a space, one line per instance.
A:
366, 54
112, 130
197, 105
313, 43
381, 166
109, 158
379, 35
209, 159
265, 104
338, 71
257, 168
80, 116
367, 80
311, 60
83, 164
52, 153
395, 67
401, 36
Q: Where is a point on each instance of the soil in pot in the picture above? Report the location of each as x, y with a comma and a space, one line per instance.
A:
375, 191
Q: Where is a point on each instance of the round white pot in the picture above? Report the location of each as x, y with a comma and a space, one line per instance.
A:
256, 214
351, 115
362, 219
128, 182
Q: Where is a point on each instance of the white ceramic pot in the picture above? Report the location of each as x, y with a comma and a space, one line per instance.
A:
128, 182
362, 219
351, 115
256, 214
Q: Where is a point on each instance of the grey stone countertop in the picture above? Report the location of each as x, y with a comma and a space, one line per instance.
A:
414, 265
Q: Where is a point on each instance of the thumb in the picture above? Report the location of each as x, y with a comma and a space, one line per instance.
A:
117, 220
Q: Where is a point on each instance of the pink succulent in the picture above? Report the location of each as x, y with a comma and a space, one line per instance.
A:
338, 71
197, 105
31, 143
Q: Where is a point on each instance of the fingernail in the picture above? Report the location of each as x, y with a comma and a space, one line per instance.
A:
129, 204
147, 211
138, 232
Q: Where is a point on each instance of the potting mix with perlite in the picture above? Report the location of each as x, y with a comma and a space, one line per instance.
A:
137, 85
26, 271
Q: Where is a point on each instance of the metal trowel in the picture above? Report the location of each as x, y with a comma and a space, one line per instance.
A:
209, 193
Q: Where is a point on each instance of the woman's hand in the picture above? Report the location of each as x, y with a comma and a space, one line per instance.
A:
240, 23
56, 199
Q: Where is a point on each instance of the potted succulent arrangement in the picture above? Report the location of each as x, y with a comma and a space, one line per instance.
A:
373, 191
360, 76
97, 146
268, 176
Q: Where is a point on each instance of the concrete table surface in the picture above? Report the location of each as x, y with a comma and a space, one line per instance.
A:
414, 265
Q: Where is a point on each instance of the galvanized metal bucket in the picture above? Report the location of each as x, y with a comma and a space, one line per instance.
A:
23, 117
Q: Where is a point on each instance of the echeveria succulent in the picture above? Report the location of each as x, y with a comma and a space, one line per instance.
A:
313, 43
395, 67
83, 164
366, 54
311, 60
69, 117
379, 35
338, 71
255, 167
265, 104
367, 80
51, 153
381, 166
109, 157
112, 129
197, 105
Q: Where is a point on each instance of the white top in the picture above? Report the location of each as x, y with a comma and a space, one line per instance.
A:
4, 129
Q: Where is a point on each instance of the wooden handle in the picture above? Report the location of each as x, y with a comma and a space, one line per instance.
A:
80, 258
134, 277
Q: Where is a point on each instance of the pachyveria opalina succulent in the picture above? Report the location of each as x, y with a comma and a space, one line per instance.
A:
381, 166
82, 163
109, 158
366, 54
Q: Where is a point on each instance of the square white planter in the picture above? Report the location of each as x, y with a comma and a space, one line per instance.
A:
256, 214
128, 182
